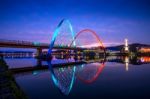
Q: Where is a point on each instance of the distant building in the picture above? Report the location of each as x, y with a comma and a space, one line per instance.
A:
144, 50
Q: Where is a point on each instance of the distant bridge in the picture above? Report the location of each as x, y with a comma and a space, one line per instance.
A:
34, 45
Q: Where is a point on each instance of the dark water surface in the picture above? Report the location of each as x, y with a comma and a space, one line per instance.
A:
113, 79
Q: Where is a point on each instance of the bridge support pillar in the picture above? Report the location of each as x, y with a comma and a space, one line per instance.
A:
39, 52
39, 62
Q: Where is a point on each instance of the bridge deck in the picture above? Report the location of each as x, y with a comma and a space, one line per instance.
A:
34, 45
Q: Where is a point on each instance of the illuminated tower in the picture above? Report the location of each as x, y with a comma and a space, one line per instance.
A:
126, 47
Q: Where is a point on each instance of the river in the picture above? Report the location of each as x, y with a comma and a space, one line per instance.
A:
116, 77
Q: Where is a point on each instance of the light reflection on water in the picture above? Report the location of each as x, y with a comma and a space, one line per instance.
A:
119, 77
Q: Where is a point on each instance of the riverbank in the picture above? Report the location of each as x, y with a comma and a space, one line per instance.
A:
8, 86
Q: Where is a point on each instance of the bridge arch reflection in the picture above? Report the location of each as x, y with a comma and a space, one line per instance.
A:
90, 72
64, 77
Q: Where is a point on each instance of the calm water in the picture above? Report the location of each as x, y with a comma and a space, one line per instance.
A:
115, 78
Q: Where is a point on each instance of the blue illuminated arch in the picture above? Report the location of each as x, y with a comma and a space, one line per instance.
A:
58, 84
56, 33
54, 77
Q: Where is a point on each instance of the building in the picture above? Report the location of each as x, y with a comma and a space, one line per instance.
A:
144, 50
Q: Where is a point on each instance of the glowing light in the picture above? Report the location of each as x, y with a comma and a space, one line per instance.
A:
126, 45
144, 50
98, 72
100, 45
53, 75
145, 59
36, 43
90, 45
92, 32
72, 80
65, 90
35, 72
127, 63
56, 33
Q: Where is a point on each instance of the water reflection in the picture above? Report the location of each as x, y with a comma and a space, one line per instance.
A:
88, 73
126, 60
65, 76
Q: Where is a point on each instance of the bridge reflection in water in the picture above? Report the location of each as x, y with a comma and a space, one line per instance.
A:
64, 75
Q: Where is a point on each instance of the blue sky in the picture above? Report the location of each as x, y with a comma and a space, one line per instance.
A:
113, 20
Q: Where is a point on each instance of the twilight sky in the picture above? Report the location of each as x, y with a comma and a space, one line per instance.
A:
113, 20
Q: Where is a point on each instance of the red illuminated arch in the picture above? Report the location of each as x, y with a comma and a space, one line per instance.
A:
101, 67
101, 45
90, 31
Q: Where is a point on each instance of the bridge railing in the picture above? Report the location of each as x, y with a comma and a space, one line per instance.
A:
14, 41
22, 42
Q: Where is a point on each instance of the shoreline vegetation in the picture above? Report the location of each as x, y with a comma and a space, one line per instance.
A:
9, 89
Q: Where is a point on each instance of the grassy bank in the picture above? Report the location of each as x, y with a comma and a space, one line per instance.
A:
8, 86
